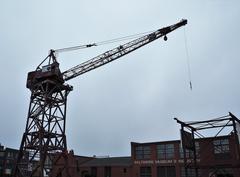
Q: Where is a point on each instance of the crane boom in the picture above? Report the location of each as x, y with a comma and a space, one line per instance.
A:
44, 143
119, 51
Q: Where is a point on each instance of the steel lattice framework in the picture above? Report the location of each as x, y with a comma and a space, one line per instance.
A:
45, 129
44, 136
191, 131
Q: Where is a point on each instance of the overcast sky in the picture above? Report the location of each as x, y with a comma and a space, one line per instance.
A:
136, 97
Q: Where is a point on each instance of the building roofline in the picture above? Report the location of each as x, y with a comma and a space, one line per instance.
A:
176, 141
109, 161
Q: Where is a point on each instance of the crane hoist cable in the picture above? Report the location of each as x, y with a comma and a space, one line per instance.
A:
78, 47
114, 40
109, 55
188, 60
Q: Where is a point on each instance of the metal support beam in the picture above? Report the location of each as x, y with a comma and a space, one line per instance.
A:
219, 124
45, 130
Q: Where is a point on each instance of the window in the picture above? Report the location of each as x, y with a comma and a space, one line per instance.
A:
46, 68
221, 149
197, 147
165, 151
191, 172
189, 153
221, 146
9, 154
168, 171
143, 152
94, 171
8, 171
1, 153
145, 172
107, 172
83, 173
222, 172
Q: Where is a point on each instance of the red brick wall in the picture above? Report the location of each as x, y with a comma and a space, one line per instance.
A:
207, 157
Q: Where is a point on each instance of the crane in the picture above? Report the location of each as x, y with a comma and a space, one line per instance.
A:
44, 133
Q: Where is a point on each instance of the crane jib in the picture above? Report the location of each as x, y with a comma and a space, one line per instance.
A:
51, 71
119, 51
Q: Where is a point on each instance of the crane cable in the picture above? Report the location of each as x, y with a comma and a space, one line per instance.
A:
188, 60
124, 38
101, 42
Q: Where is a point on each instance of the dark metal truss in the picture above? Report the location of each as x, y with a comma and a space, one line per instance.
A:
195, 127
45, 130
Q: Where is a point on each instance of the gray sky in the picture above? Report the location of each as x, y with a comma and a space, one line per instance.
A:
136, 97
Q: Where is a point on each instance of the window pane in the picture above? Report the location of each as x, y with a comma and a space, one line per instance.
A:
167, 171
165, 151
190, 171
145, 172
221, 149
221, 146
143, 152
224, 141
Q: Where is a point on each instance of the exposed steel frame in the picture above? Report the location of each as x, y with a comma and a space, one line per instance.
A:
45, 129
194, 127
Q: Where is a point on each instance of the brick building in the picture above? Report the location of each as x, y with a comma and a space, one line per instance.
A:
107, 167
166, 159
195, 155
215, 156
153, 159
8, 158
1, 159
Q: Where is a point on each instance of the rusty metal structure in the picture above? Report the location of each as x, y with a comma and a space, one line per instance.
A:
44, 134
193, 131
